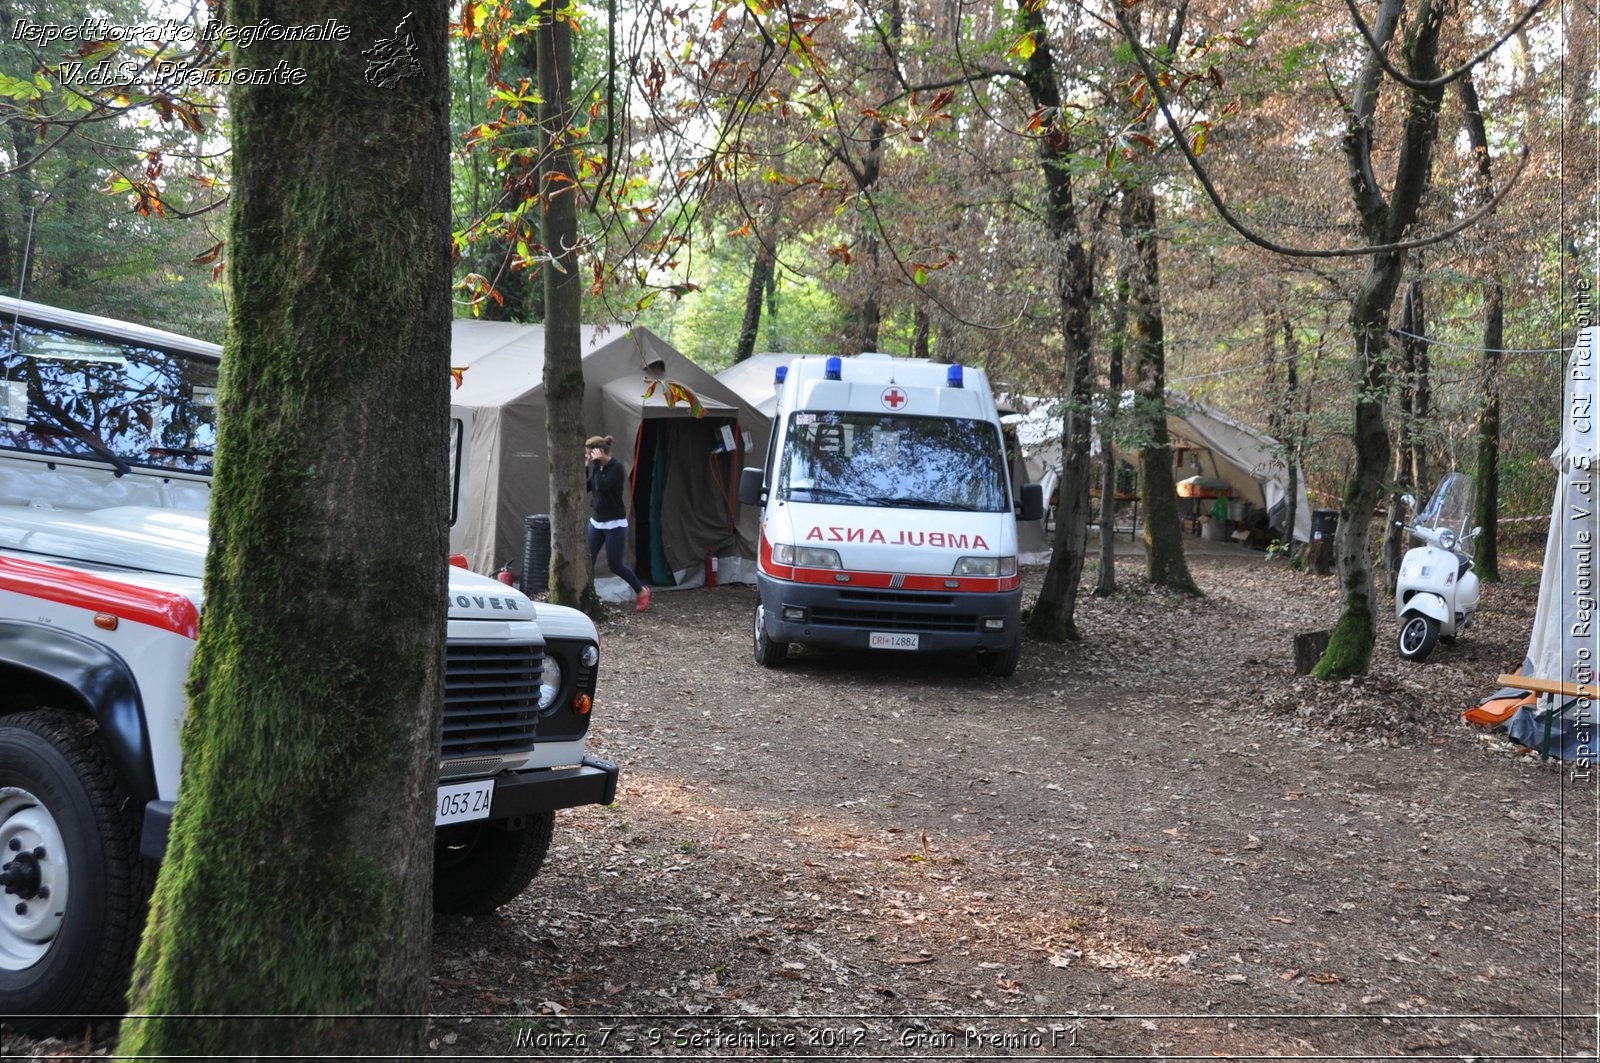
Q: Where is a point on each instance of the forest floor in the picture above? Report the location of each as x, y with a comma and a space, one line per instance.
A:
1154, 843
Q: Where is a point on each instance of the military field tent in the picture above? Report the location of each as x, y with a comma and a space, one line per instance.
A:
754, 380
1565, 643
683, 471
1204, 441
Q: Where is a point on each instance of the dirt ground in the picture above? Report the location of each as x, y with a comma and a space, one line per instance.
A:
1154, 843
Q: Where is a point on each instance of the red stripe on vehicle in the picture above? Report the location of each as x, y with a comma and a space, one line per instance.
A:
65, 586
883, 580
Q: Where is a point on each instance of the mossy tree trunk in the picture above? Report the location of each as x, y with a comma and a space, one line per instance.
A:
1165, 564
1487, 553
1384, 221
571, 579
297, 881
1052, 616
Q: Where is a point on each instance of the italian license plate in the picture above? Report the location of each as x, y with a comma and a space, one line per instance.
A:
891, 640
463, 802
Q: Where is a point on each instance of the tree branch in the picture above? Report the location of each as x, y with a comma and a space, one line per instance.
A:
1263, 242
1443, 79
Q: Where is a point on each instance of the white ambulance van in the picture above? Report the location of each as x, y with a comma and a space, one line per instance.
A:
887, 516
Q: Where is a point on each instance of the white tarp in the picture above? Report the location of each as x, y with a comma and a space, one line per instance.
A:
1564, 645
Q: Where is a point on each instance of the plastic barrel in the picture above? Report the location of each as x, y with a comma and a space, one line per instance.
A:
536, 553
1324, 522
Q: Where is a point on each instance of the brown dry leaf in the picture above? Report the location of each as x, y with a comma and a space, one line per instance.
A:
910, 960
1174, 831
1289, 976
796, 975
1285, 920
1326, 979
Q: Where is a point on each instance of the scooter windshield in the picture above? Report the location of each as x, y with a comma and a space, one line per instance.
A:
1452, 507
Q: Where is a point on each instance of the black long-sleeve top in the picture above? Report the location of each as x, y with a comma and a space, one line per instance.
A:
606, 484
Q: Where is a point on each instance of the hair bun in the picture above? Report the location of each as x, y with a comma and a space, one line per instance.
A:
608, 441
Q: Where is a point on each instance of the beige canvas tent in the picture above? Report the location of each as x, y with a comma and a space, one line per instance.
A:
1205, 442
755, 379
683, 470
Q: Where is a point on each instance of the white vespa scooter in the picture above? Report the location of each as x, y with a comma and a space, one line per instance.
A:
1437, 591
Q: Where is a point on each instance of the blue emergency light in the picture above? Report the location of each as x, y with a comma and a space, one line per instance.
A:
952, 376
830, 368
780, 374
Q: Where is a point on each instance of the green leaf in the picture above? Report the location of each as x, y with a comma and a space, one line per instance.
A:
920, 275
18, 89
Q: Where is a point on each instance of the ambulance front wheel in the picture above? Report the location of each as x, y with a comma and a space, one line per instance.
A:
769, 653
1001, 662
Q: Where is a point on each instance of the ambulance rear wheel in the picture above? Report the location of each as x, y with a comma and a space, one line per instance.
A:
1001, 662
769, 653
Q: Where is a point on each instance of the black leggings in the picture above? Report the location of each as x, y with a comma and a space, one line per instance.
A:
613, 539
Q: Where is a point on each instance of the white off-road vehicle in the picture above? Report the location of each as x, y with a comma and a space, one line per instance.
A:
106, 436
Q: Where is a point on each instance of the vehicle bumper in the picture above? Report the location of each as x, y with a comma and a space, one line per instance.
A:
845, 619
516, 794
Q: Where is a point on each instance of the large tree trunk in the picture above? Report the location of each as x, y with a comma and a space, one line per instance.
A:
297, 879
571, 580
760, 277
1165, 564
1488, 457
1052, 616
1383, 222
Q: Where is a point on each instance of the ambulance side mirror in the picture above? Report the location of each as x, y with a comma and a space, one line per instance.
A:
750, 486
1032, 502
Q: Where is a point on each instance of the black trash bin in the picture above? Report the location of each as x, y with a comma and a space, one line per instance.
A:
536, 553
1324, 523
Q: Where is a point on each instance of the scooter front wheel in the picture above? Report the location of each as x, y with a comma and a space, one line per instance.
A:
1418, 635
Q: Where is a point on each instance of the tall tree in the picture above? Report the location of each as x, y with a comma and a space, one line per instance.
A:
1488, 426
762, 278
1106, 578
1053, 613
295, 882
1165, 564
571, 581
1384, 221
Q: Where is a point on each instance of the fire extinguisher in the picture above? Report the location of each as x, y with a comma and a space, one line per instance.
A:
711, 569
504, 575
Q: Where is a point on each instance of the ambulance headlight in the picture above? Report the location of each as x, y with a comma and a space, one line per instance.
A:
805, 556
986, 566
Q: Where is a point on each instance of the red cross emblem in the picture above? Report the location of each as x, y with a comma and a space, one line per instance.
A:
894, 398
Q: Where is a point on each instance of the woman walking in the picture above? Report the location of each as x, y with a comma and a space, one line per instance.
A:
609, 525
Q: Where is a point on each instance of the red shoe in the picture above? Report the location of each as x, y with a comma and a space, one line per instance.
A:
643, 601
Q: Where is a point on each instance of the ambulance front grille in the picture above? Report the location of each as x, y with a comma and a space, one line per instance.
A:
891, 619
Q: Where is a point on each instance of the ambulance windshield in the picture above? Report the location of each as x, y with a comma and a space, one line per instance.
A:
871, 459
